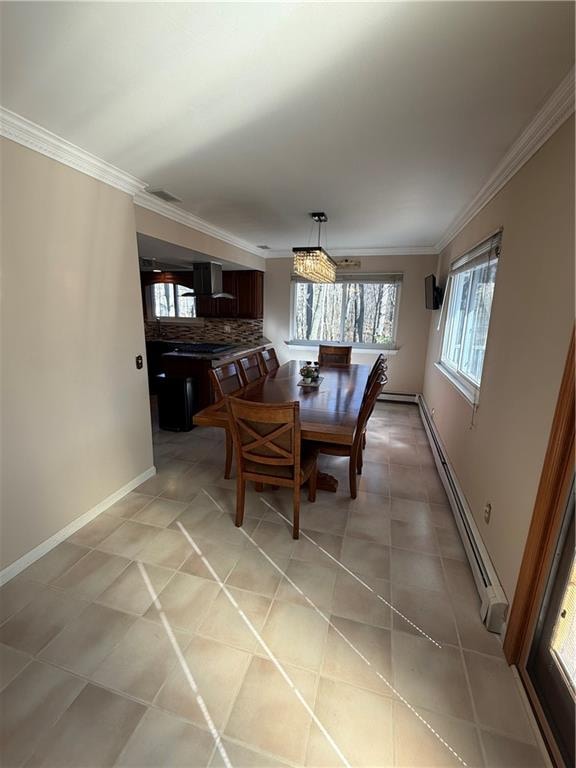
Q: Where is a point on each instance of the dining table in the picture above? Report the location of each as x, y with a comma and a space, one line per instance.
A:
328, 412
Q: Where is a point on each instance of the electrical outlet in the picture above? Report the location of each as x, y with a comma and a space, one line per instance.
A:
487, 513
139, 362
227, 328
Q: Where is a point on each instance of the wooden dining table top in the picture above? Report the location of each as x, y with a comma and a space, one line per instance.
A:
328, 413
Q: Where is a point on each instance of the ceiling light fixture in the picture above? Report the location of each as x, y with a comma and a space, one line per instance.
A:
313, 263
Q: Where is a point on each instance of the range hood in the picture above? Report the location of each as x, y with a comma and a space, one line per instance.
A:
207, 278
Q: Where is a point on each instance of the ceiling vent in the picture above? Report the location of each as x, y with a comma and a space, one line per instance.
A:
164, 195
263, 247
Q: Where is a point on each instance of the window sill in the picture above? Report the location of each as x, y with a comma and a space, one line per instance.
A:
296, 344
178, 320
468, 391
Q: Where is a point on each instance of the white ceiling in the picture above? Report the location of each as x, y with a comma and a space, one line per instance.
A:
388, 116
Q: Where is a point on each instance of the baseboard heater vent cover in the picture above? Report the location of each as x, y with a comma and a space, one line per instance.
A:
397, 397
494, 605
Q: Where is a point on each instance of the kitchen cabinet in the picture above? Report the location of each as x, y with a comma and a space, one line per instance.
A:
250, 294
206, 306
247, 287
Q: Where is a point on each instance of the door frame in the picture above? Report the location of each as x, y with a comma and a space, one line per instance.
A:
549, 510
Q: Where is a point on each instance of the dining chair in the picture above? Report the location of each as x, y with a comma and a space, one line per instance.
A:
269, 360
354, 451
328, 355
380, 364
269, 450
226, 380
251, 368
378, 370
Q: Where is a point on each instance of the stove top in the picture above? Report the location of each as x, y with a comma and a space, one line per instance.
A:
204, 348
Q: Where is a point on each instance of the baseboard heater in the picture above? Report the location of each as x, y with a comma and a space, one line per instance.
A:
397, 397
494, 605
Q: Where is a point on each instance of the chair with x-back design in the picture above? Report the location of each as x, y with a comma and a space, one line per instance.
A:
226, 380
269, 451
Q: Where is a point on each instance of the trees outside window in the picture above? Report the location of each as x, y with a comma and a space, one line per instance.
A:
467, 320
353, 312
169, 301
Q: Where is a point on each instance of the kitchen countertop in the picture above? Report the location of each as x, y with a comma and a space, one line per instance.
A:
216, 357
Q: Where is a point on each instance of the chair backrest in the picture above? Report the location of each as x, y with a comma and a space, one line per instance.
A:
368, 403
251, 368
226, 380
380, 366
329, 355
265, 434
269, 359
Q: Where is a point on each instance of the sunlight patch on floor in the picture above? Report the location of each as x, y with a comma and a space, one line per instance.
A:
185, 668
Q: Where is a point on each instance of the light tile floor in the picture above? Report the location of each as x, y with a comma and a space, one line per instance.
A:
161, 635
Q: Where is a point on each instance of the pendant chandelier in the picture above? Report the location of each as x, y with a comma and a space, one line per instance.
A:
312, 262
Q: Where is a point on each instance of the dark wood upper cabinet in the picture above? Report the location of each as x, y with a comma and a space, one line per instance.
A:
247, 287
250, 294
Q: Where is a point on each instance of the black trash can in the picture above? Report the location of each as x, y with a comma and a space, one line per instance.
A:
175, 403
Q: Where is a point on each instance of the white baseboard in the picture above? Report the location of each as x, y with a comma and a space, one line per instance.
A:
394, 397
42, 549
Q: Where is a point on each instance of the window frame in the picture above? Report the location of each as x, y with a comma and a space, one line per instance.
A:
176, 318
477, 258
354, 279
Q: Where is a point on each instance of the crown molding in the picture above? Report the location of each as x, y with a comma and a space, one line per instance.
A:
551, 116
171, 211
358, 253
29, 134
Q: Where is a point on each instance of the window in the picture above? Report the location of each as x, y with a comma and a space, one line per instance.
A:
470, 291
169, 301
354, 312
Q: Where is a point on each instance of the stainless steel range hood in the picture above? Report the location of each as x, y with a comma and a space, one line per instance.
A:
206, 275
207, 278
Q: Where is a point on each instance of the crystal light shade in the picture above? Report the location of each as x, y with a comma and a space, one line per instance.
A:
314, 264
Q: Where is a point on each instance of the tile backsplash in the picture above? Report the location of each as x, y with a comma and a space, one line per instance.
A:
226, 330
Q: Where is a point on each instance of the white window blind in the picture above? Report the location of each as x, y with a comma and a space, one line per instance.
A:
470, 291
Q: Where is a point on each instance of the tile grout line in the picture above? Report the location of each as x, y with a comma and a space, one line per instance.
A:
273, 599
355, 576
148, 704
95, 600
252, 653
151, 703
466, 676
185, 668
386, 682
52, 586
271, 656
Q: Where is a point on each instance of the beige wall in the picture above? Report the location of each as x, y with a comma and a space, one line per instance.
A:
406, 368
499, 459
155, 225
75, 413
